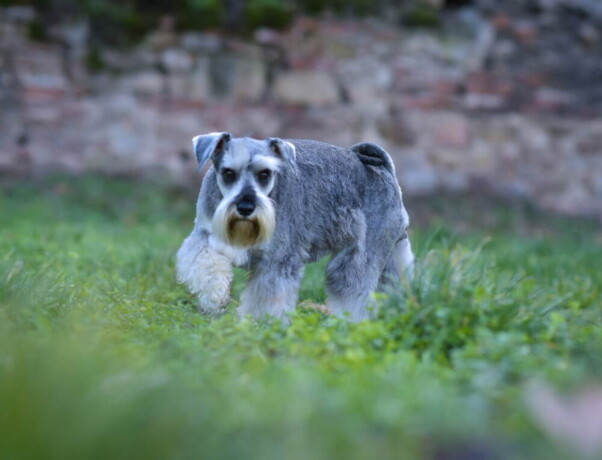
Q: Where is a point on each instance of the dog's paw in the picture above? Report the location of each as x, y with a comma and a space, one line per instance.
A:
215, 295
214, 277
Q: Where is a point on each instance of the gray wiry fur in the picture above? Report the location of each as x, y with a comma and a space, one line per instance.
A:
326, 200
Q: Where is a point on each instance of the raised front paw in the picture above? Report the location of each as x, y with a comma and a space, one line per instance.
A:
207, 274
214, 290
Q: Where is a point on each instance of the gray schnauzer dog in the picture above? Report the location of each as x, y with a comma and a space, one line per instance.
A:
273, 205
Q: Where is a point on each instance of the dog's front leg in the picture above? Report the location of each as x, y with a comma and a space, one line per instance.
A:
271, 290
206, 272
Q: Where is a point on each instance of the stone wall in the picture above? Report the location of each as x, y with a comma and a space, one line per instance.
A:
443, 104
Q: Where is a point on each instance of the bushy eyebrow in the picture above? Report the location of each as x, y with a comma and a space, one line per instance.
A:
260, 162
236, 158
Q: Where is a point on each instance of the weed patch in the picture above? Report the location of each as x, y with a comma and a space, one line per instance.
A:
103, 355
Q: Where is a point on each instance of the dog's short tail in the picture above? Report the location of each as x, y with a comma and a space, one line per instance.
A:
373, 155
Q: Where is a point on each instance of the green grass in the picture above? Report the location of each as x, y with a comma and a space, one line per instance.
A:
102, 354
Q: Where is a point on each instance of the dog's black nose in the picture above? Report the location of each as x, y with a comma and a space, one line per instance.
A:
245, 202
245, 208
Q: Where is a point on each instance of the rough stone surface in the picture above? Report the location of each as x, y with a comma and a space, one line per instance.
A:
306, 88
460, 113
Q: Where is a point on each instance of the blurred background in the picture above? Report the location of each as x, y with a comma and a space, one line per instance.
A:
492, 111
501, 98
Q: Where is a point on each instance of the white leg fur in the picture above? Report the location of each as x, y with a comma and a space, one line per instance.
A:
205, 272
358, 308
403, 258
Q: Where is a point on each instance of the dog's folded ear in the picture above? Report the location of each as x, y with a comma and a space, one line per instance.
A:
283, 150
212, 145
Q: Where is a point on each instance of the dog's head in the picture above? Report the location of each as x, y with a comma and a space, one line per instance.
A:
246, 173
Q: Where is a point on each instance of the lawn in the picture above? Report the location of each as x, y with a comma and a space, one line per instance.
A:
103, 355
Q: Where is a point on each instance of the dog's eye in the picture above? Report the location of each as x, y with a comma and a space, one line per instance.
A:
228, 175
264, 175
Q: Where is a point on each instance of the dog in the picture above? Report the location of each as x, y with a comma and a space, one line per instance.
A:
271, 206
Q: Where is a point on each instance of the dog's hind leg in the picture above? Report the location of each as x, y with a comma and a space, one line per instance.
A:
351, 277
206, 272
388, 278
400, 267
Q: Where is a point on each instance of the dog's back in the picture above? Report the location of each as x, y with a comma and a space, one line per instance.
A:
339, 196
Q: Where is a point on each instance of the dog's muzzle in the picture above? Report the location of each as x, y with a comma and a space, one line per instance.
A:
248, 220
